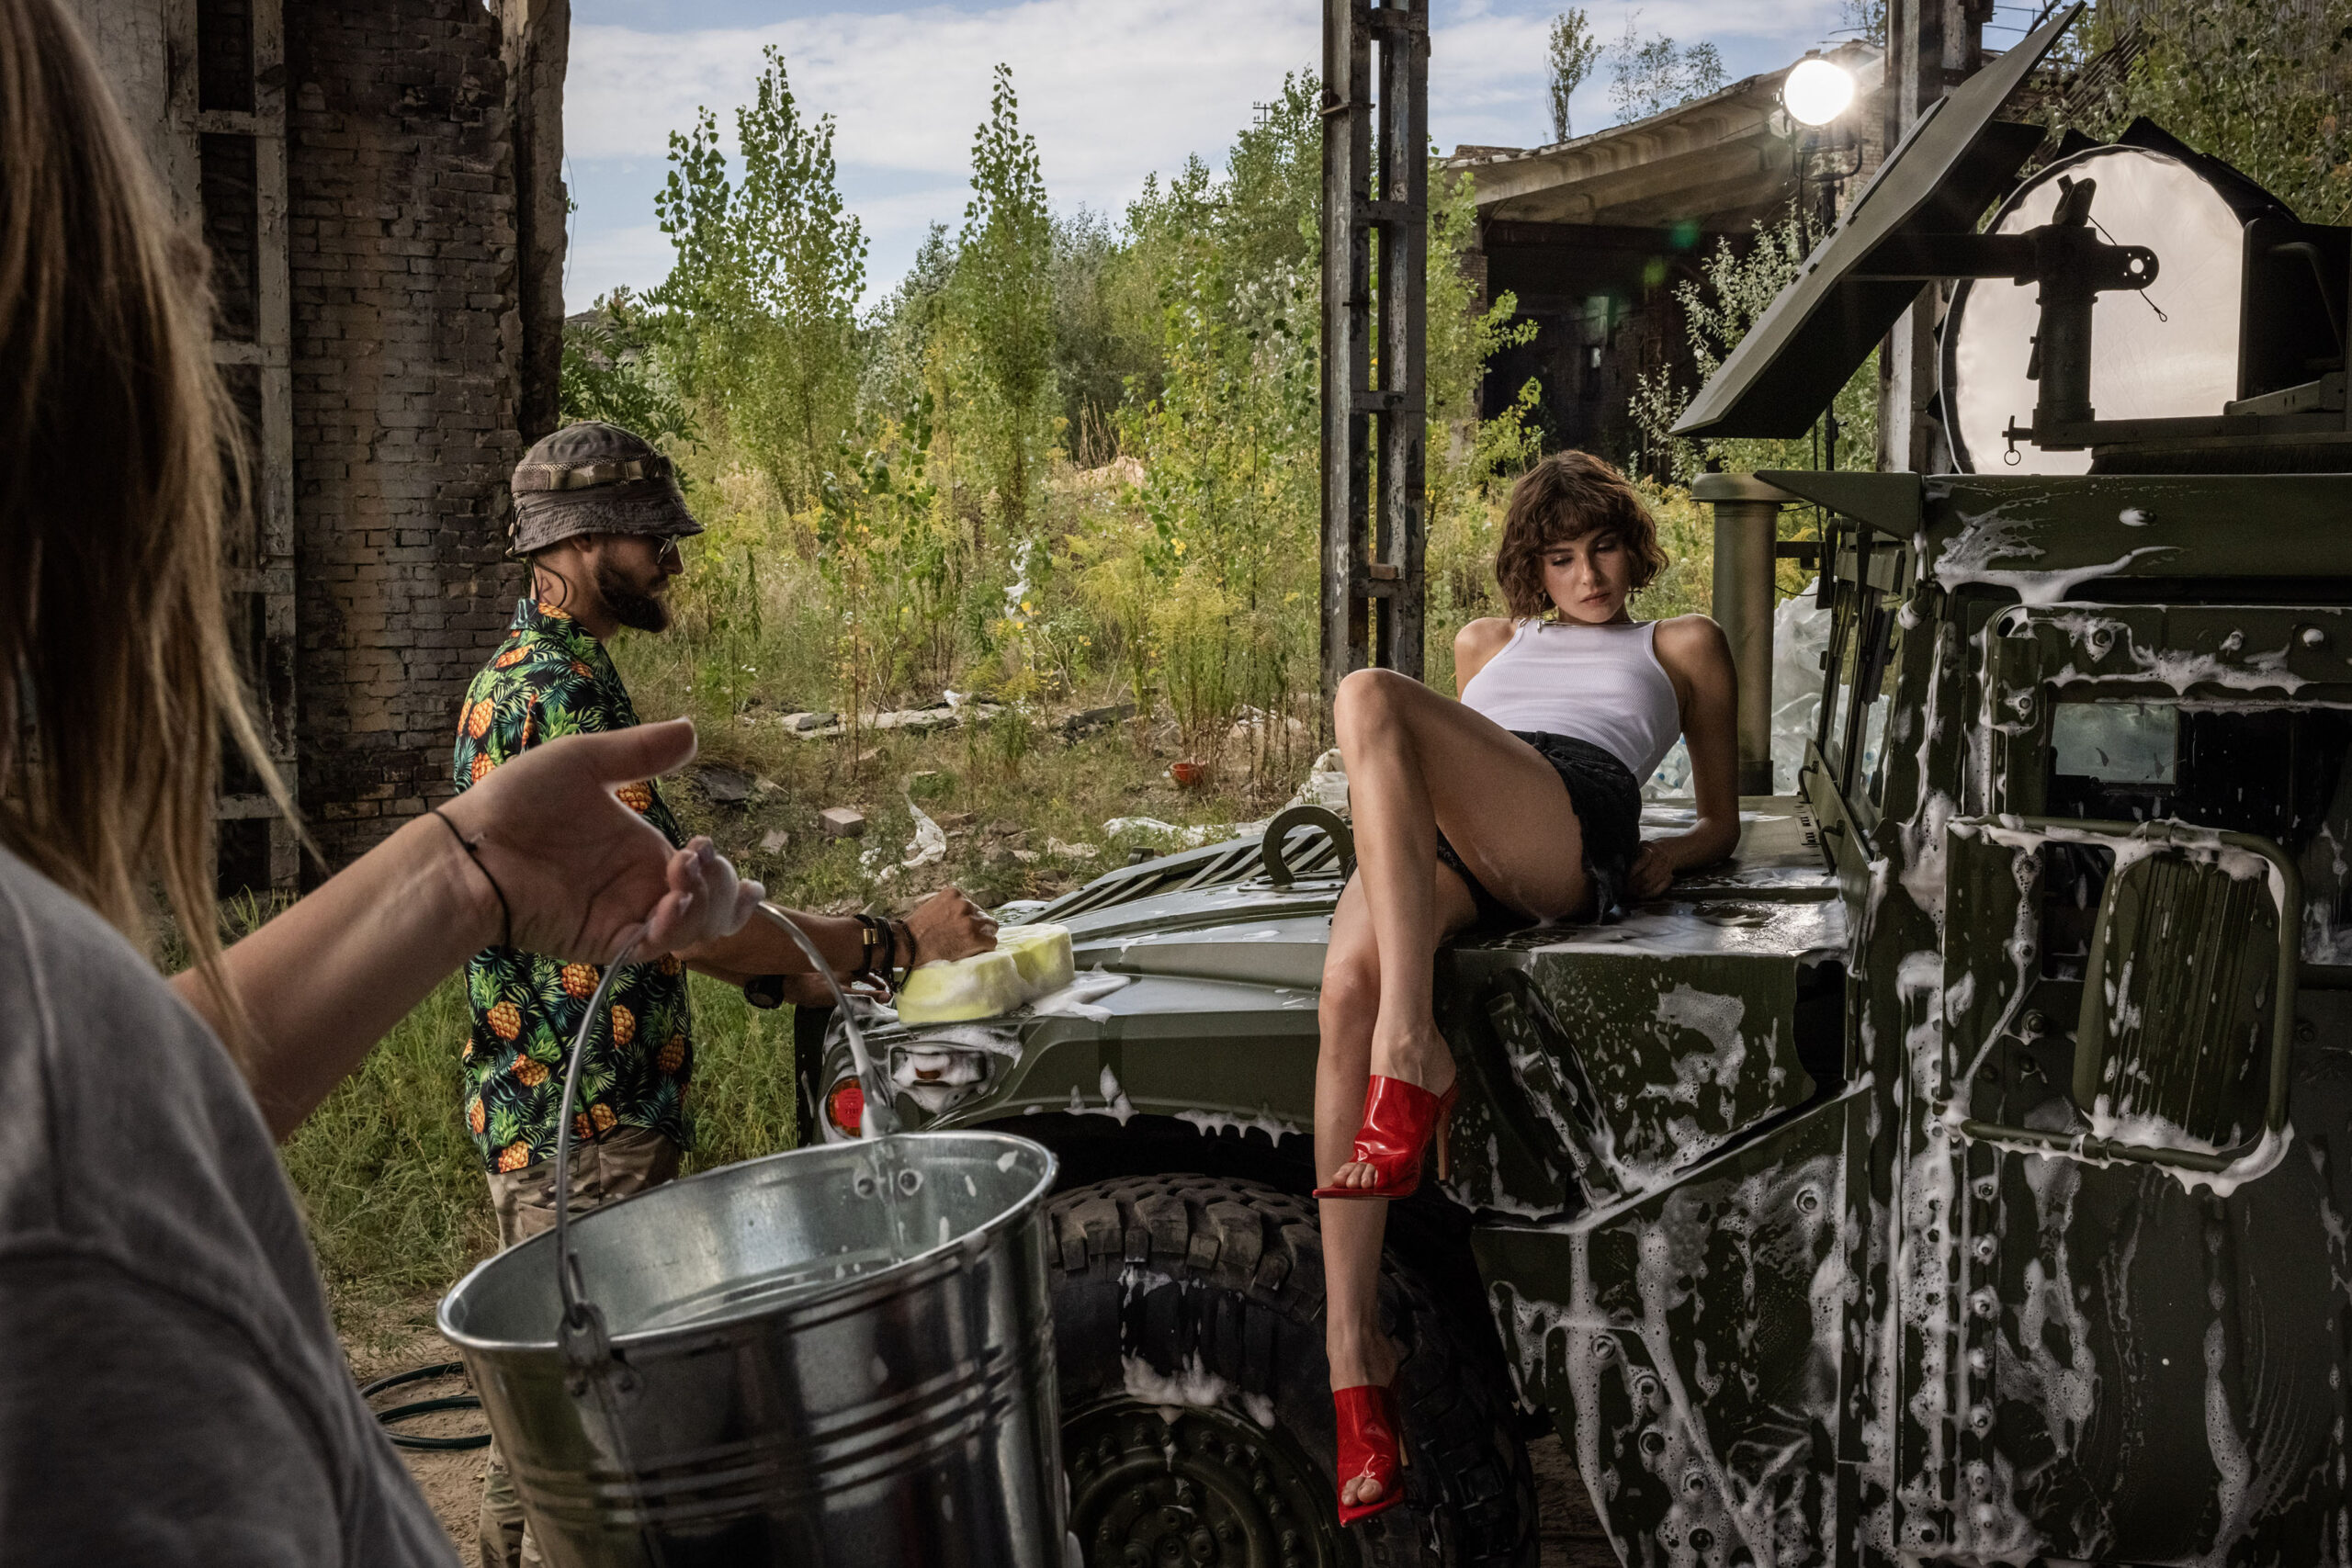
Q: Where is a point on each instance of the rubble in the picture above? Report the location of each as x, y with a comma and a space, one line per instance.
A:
1088, 720
950, 711
842, 822
725, 786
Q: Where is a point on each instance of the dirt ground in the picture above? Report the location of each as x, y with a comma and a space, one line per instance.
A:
451, 1481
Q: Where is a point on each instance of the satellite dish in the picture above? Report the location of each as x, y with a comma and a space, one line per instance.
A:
2179, 358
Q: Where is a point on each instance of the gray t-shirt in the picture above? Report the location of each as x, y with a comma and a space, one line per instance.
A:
171, 1389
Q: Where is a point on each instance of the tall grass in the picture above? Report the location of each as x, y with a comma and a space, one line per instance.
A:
395, 1196
394, 1193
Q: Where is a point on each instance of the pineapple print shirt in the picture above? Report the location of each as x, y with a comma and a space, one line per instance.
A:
551, 678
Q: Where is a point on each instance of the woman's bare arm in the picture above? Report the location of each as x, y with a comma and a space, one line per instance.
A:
1697, 659
1474, 644
581, 872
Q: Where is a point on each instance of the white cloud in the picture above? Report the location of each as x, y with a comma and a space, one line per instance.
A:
1111, 89
599, 260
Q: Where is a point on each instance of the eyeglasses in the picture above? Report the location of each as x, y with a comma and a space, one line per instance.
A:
668, 557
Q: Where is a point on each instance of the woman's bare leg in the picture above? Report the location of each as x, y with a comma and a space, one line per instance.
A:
1417, 762
1353, 1228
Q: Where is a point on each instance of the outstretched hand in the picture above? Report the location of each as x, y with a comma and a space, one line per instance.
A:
584, 874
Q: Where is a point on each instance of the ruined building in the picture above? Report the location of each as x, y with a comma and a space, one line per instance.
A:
378, 185
1593, 237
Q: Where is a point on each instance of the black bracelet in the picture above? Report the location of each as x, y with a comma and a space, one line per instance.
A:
473, 852
869, 937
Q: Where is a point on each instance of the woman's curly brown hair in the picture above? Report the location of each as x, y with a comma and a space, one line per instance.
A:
1567, 496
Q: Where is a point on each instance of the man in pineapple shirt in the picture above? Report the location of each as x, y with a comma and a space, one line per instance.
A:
598, 515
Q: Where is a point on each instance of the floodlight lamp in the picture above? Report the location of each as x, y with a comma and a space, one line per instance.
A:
1817, 92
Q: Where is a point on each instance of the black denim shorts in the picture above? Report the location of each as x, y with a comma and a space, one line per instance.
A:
1607, 800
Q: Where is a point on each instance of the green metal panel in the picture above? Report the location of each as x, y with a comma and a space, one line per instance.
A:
1690, 1342
2043, 538
2229, 652
2179, 998
1888, 503
1680, 1052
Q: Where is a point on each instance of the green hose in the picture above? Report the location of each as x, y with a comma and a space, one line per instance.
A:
425, 1406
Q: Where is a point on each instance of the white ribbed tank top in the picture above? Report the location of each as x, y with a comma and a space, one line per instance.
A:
1602, 684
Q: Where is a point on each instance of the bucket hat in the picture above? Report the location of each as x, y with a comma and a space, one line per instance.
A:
593, 478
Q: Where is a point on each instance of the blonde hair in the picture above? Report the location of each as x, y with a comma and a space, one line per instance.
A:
121, 456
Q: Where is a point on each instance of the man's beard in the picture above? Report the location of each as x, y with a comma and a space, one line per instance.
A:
639, 612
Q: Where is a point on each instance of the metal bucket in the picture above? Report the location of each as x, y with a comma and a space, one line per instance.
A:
833, 1356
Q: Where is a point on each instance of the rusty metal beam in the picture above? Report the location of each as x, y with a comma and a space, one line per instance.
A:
1375, 183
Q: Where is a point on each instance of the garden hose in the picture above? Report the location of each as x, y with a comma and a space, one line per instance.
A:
425, 1406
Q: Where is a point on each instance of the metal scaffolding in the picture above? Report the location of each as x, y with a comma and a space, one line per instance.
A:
1374, 530
225, 142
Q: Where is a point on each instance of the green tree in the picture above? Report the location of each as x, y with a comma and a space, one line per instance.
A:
1736, 286
760, 300
2256, 82
610, 372
1219, 578
1574, 47
904, 330
1003, 298
1650, 76
1866, 20
1106, 333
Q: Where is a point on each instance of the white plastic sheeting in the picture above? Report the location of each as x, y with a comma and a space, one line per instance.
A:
1800, 634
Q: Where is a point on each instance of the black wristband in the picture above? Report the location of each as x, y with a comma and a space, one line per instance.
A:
764, 991
869, 932
473, 853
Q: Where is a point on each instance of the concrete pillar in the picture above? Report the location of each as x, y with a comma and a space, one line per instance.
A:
1747, 515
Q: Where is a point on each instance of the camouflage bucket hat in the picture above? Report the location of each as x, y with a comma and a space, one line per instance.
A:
596, 478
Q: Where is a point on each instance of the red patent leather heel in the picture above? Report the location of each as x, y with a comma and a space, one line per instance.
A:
1369, 1448
1399, 1119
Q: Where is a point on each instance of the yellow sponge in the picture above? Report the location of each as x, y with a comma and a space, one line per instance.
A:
1043, 954
986, 984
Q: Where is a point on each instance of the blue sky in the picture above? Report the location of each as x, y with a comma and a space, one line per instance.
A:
1111, 89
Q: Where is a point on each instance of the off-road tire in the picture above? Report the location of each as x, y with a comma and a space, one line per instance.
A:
1220, 1283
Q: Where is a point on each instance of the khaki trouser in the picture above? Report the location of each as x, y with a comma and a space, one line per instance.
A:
625, 1161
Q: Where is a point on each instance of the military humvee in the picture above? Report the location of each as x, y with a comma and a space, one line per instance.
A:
1949, 1176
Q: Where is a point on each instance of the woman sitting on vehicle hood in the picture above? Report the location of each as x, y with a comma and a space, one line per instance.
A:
1518, 804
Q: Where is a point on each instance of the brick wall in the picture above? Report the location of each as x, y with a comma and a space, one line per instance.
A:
406, 340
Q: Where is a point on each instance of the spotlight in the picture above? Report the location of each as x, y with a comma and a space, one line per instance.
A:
1817, 92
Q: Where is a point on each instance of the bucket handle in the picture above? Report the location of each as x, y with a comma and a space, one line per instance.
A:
581, 1332
586, 1345
881, 1116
